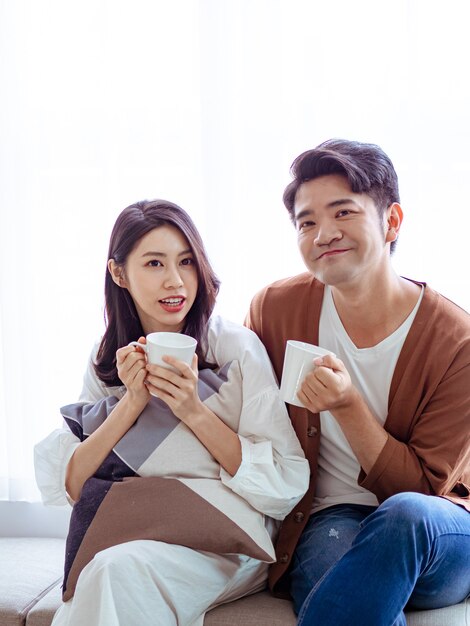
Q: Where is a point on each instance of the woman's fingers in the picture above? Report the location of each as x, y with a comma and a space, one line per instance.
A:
184, 371
130, 363
123, 353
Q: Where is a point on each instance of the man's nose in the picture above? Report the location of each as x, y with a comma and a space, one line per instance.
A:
327, 233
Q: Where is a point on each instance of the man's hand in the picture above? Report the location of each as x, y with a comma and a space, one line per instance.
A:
328, 387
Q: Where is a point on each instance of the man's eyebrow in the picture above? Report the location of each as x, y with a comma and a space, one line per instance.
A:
330, 205
341, 202
303, 213
164, 255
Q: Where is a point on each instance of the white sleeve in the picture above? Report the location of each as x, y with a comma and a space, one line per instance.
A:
51, 457
52, 454
274, 474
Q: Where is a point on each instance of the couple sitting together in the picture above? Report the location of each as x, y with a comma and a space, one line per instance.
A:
195, 485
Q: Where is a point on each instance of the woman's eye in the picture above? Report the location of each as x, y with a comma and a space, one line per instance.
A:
154, 263
188, 261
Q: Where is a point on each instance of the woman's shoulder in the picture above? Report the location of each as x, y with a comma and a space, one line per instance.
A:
228, 340
94, 388
221, 328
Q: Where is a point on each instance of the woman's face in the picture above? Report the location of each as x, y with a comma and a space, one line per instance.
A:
161, 276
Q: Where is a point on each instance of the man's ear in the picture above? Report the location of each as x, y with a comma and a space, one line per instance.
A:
117, 273
394, 218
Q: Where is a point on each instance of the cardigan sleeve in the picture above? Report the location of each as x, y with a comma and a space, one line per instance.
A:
435, 457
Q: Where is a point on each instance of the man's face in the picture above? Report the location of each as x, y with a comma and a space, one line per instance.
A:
341, 237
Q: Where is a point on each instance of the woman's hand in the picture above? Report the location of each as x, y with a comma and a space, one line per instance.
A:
178, 390
131, 366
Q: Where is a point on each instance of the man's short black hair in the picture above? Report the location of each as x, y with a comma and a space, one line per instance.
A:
366, 166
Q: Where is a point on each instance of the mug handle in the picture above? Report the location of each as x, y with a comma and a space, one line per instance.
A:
139, 345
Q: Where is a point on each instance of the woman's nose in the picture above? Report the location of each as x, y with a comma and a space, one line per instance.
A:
173, 279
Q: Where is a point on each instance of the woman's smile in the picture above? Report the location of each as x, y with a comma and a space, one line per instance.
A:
173, 304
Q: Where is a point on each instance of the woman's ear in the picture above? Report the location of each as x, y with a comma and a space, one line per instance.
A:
117, 273
394, 218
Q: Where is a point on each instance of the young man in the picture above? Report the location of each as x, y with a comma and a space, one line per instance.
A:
386, 520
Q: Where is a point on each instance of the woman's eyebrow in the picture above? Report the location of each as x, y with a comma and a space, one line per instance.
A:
163, 254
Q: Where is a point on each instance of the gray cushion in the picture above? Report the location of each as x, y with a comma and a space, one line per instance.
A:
29, 568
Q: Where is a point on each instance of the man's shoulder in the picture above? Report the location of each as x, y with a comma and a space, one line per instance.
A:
444, 310
300, 286
441, 327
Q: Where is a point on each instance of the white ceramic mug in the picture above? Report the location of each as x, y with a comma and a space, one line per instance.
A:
182, 347
298, 362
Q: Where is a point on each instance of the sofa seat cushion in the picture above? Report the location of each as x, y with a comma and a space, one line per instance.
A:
30, 592
455, 615
260, 609
29, 568
43, 611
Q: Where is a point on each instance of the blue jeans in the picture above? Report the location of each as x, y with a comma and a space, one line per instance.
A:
358, 565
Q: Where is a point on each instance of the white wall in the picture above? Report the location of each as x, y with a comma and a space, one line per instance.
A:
33, 519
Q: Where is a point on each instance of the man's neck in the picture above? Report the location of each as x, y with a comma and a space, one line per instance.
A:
371, 312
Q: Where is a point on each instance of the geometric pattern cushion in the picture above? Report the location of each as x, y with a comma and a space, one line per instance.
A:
171, 479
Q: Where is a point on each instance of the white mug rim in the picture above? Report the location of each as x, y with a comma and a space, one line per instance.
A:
308, 347
158, 339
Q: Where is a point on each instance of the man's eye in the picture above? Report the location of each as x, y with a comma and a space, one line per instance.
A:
305, 225
343, 213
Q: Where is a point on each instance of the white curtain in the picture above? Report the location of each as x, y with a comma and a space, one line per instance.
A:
205, 104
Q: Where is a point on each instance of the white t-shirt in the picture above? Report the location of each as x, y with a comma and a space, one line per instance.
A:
371, 371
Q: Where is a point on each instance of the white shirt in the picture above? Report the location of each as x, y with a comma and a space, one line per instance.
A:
273, 475
371, 371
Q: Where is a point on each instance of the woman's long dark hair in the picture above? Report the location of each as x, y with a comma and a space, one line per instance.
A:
122, 321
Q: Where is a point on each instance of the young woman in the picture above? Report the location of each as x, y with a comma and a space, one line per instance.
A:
159, 279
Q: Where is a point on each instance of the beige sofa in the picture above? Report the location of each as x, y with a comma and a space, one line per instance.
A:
30, 578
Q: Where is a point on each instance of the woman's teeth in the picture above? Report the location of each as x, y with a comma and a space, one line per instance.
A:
172, 301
